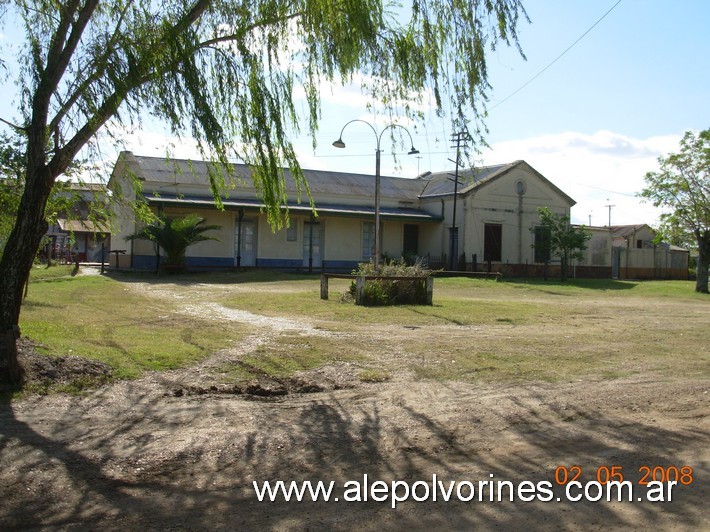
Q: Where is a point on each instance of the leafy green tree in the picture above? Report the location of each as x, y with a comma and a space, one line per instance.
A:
63, 200
561, 239
175, 235
682, 188
224, 72
12, 170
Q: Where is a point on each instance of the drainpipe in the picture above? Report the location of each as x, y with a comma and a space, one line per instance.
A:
627, 257
239, 237
463, 226
310, 245
520, 228
443, 232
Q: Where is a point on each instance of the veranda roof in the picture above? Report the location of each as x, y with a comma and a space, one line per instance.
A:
201, 202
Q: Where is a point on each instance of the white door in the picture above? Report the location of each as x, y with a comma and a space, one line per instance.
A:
245, 243
312, 236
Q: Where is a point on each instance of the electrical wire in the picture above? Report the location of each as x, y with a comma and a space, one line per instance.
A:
555, 60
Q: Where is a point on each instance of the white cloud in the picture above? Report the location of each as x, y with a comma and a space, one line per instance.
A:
597, 170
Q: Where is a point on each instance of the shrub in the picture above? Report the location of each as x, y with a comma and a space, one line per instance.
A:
379, 292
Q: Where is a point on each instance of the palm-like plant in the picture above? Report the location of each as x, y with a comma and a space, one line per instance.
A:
175, 235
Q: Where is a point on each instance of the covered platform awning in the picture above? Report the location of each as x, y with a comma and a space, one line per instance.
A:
386, 213
82, 226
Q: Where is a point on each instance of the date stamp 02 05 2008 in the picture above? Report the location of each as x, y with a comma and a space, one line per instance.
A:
615, 473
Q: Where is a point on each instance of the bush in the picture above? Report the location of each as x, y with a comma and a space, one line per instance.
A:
379, 292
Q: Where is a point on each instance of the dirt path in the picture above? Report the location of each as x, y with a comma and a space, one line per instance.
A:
133, 454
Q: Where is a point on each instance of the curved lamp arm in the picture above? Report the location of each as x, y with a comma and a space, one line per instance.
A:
340, 144
412, 151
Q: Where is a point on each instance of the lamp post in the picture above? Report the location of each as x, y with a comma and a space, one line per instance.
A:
378, 136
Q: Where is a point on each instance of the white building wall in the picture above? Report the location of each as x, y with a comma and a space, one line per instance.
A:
598, 251
343, 240
274, 244
499, 203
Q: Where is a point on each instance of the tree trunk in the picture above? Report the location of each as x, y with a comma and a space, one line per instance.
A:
16, 263
701, 283
563, 267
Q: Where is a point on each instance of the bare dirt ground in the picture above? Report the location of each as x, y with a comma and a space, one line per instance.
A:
180, 450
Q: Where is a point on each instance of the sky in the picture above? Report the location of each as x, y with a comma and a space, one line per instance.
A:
592, 108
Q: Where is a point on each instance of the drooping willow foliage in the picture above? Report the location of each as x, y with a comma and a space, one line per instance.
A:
225, 72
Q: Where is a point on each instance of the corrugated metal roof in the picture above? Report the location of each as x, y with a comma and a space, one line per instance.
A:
442, 183
82, 226
619, 231
186, 172
323, 183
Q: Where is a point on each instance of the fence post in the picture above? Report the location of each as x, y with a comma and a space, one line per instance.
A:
430, 290
323, 286
359, 290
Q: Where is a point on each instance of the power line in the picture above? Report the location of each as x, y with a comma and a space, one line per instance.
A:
556, 59
634, 195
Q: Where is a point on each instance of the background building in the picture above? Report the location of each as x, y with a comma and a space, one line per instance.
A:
485, 220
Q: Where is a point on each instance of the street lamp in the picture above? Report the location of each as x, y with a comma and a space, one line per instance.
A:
340, 144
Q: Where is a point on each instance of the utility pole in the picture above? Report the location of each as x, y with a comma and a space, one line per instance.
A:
609, 207
460, 139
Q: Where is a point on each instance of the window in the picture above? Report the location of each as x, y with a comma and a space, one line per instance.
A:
542, 244
492, 237
410, 242
639, 244
368, 240
292, 233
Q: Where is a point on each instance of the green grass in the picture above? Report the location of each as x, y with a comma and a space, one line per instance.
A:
101, 319
42, 273
282, 358
477, 329
295, 354
459, 301
450, 305
608, 287
374, 375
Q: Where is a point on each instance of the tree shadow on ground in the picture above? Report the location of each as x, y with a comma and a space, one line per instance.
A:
168, 462
587, 284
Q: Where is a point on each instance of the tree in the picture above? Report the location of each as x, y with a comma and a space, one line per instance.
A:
63, 200
560, 239
682, 186
12, 172
175, 235
225, 73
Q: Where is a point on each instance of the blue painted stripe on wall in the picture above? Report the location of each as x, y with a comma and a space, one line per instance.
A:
340, 265
211, 262
279, 263
144, 262
147, 262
